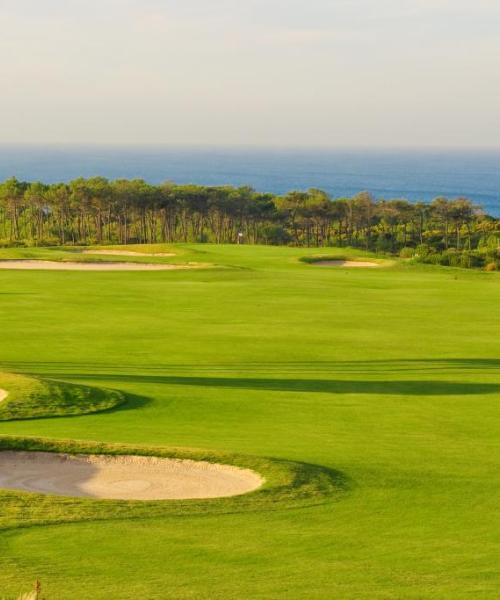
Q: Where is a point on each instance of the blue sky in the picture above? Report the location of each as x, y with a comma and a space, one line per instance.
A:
251, 72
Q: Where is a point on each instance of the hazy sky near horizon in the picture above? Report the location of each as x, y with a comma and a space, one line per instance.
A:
251, 72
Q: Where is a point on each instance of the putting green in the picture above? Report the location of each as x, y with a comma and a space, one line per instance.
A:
368, 399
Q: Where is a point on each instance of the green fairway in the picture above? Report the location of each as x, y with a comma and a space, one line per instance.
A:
369, 398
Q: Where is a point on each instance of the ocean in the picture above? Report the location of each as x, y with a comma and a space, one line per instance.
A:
415, 175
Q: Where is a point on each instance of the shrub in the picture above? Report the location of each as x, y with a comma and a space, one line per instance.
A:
48, 241
275, 235
6, 243
452, 258
465, 261
422, 251
434, 259
384, 243
407, 252
472, 260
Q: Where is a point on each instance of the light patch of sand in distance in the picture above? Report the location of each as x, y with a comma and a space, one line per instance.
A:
122, 477
3, 394
50, 265
345, 263
127, 253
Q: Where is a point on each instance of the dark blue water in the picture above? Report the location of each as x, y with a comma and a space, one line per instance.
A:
415, 175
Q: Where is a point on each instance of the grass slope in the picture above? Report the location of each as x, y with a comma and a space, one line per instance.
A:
388, 377
33, 398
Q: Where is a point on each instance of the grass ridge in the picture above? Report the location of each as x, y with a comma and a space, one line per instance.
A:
35, 398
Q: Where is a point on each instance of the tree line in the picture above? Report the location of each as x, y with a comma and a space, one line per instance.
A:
99, 211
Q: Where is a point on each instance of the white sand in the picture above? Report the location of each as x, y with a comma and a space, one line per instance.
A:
127, 253
122, 477
345, 263
87, 266
3, 394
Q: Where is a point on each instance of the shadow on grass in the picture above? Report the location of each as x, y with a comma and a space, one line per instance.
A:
325, 386
304, 473
356, 366
130, 402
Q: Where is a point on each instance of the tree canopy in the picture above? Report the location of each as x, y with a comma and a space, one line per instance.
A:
98, 211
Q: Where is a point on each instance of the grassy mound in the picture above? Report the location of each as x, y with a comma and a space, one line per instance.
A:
288, 484
32, 398
318, 258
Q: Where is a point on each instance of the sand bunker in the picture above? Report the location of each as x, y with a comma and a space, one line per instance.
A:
122, 477
3, 394
50, 265
345, 263
127, 253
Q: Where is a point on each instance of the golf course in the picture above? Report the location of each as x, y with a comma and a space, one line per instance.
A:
340, 409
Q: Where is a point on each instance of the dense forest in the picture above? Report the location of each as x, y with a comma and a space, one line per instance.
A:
99, 211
